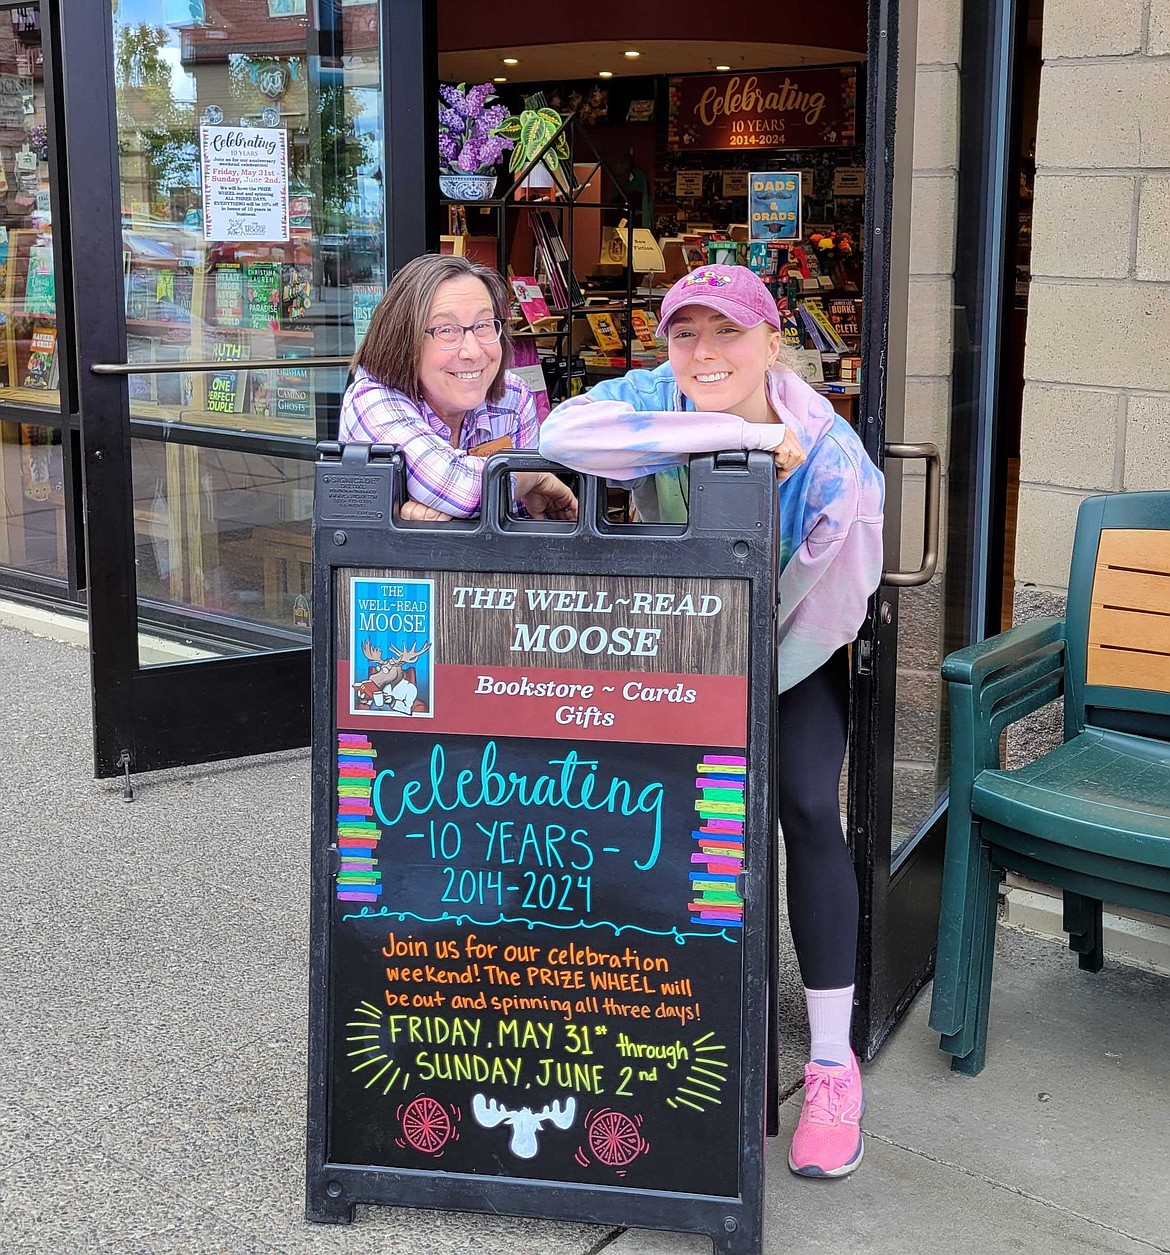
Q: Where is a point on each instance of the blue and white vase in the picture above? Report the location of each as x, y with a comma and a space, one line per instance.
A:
458, 186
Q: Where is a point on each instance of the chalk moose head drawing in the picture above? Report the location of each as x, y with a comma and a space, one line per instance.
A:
390, 685
525, 1122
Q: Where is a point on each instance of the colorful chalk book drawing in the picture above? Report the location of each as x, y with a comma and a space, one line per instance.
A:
358, 879
719, 859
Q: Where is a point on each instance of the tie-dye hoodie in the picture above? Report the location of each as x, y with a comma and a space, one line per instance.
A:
641, 428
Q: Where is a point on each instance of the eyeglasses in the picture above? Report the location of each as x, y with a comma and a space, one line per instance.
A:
450, 334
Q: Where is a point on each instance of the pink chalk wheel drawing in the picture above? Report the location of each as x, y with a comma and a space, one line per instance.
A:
614, 1139
426, 1125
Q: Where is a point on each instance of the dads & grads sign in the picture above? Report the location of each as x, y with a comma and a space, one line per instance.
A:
814, 108
774, 205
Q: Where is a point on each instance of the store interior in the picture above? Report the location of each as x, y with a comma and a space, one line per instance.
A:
666, 135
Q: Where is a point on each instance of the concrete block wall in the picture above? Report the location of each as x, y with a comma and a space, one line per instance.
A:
1096, 413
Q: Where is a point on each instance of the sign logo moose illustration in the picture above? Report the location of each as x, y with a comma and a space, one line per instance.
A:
526, 1123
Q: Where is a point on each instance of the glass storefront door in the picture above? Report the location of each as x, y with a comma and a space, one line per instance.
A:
235, 248
940, 100
252, 220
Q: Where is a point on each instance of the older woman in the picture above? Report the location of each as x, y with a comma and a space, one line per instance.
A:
431, 376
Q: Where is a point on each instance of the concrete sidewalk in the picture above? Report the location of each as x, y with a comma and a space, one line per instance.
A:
152, 1087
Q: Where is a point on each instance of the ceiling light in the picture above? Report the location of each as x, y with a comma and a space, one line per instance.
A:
631, 54
723, 67
510, 60
605, 74
499, 79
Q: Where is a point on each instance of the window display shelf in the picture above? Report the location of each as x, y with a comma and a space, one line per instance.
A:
31, 398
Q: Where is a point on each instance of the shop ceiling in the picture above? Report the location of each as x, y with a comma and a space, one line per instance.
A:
581, 41
537, 63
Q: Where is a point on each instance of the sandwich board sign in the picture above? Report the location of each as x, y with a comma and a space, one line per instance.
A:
541, 846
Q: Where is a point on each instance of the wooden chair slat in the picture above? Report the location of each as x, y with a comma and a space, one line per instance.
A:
1127, 668
1134, 549
1131, 590
1130, 629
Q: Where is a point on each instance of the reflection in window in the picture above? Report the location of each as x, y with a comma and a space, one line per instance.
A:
251, 154
224, 534
32, 499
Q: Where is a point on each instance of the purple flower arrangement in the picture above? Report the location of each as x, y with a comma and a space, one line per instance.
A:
38, 140
467, 121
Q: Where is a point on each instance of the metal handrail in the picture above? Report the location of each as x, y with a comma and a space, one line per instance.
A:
241, 363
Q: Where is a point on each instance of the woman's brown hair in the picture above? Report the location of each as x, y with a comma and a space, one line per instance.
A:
390, 350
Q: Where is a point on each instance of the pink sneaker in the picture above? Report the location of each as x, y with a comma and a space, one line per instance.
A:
827, 1142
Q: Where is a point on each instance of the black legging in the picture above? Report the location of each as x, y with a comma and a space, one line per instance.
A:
812, 721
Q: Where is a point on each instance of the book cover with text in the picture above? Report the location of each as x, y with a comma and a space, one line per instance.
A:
141, 286
645, 326
605, 331
366, 297
41, 371
229, 294
530, 297
263, 295
40, 291
391, 659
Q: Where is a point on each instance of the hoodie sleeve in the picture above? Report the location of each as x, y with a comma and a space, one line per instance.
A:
830, 583
608, 432
826, 584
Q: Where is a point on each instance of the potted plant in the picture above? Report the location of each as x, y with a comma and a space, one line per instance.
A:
531, 134
468, 145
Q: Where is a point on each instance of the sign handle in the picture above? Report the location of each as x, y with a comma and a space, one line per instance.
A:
494, 512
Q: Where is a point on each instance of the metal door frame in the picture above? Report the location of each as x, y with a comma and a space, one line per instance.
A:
146, 718
900, 894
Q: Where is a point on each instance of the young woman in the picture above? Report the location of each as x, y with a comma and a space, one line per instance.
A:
724, 387
431, 376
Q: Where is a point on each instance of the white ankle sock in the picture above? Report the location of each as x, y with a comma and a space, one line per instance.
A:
830, 1012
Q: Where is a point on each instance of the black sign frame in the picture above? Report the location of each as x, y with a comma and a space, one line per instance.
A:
731, 534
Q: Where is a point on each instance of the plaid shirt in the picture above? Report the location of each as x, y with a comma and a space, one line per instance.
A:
437, 474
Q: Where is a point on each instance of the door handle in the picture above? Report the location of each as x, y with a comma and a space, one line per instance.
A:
929, 452
183, 368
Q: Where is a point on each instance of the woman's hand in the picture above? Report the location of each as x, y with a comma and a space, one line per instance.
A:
416, 512
787, 455
545, 497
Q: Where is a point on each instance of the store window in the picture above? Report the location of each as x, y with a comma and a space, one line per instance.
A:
32, 497
252, 566
28, 301
251, 153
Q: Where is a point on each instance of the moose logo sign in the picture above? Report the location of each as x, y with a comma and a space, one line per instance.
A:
524, 1123
391, 640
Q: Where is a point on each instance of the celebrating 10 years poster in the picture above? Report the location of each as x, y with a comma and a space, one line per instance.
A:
536, 967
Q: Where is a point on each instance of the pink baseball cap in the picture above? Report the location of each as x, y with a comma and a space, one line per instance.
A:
733, 291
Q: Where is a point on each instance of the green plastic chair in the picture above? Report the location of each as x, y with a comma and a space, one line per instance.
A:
1091, 816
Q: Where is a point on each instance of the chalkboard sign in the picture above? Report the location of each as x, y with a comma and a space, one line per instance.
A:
539, 911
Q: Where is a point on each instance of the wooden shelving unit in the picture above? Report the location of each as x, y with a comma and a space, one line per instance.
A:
579, 204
